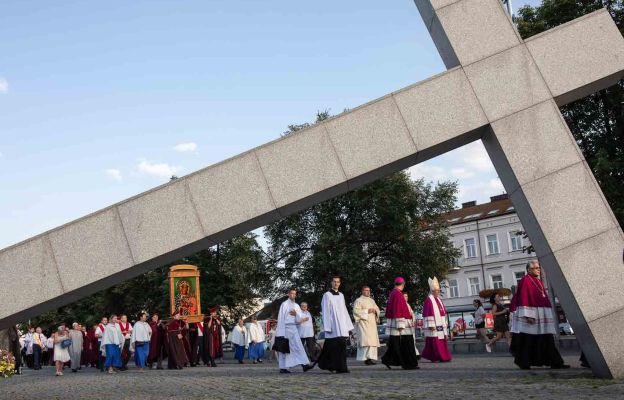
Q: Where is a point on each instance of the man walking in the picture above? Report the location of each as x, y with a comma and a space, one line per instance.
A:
336, 325
533, 324
290, 351
366, 314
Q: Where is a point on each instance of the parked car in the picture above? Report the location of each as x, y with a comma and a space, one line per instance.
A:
383, 337
565, 329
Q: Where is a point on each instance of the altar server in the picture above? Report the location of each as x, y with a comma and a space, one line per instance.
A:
290, 351
336, 325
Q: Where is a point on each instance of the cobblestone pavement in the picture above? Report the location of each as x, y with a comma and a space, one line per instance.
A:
466, 377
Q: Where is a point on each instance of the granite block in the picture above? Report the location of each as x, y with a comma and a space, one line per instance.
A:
440, 108
574, 58
370, 137
230, 193
160, 221
301, 165
477, 29
90, 249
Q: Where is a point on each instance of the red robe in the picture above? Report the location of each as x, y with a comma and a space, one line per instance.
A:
93, 349
177, 352
212, 339
157, 342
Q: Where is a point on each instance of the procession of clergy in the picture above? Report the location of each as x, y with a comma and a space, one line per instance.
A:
532, 328
112, 341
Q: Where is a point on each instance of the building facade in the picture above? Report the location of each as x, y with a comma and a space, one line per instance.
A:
491, 247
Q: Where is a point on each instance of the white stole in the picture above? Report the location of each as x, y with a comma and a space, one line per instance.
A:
439, 320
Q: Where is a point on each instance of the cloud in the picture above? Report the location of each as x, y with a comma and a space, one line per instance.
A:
113, 174
478, 190
162, 170
186, 147
4, 85
475, 157
430, 172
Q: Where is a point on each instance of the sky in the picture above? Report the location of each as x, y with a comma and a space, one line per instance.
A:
100, 101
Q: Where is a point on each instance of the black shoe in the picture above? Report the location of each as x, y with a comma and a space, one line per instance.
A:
240, 361
213, 365
528, 367
74, 370
308, 367
260, 360
387, 366
346, 371
562, 366
284, 371
584, 365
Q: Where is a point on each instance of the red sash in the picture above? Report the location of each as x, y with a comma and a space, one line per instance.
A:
101, 328
125, 329
200, 326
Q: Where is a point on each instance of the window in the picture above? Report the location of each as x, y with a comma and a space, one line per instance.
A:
515, 241
473, 284
471, 216
492, 212
497, 281
453, 288
454, 220
492, 244
519, 275
512, 208
471, 248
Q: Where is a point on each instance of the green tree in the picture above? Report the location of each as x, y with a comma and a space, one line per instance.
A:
596, 121
368, 236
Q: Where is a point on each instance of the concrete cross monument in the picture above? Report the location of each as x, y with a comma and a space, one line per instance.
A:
498, 88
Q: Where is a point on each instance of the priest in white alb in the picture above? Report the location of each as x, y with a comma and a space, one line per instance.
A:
336, 325
290, 351
366, 315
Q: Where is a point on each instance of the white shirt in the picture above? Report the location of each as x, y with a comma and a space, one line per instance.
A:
479, 315
336, 318
112, 335
306, 329
255, 333
284, 318
239, 336
99, 332
128, 334
200, 329
141, 332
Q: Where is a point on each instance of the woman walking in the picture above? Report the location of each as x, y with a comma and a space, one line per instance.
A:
501, 324
479, 320
61, 349
140, 341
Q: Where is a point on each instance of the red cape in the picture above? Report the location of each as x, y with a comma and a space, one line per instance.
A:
397, 306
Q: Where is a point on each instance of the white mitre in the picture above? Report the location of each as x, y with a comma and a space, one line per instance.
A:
434, 284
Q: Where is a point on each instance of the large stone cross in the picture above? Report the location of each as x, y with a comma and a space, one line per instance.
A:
498, 88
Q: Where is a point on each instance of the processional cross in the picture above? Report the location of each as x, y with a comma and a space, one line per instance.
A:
498, 88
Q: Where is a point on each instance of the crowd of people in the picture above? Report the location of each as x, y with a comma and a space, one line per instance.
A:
110, 344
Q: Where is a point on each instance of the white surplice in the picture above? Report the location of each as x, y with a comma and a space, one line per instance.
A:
141, 332
287, 327
336, 319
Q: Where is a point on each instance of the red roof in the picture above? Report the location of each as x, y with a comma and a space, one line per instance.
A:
500, 205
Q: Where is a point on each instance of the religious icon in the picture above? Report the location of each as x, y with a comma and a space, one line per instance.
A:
184, 292
184, 300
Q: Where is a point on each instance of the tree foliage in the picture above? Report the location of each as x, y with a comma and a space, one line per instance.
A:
596, 121
368, 236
